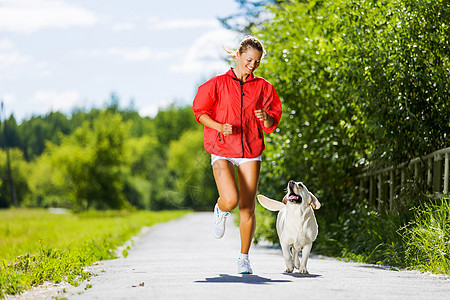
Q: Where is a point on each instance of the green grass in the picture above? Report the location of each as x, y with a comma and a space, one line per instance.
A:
427, 238
36, 246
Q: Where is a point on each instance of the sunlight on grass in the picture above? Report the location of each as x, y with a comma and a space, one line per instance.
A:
36, 245
428, 238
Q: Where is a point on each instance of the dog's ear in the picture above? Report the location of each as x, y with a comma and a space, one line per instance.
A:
314, 202
272, 205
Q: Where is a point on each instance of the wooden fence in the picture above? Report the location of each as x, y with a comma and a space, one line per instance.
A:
381, 186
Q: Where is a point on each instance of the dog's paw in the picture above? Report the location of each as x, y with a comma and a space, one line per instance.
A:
289, 270
303, 271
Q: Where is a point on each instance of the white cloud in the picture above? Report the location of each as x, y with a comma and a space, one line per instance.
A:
6, 45
132, 54
56, 101
206, 54
152, 109
123, 26
33, 15
13, 62
157, 24
10, 59
120, 23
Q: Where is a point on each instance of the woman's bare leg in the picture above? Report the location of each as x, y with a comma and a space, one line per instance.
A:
248, 176
223, 171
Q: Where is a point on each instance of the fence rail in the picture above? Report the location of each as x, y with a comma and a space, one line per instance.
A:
381, 186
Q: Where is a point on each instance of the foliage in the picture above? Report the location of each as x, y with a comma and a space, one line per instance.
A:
349, 95
400, 62
145, 164
361, 82
363, 235
107, 158
189, 164
34, 133
427, 237
171, 122
37, 246
251, 15
20, 171
91, 162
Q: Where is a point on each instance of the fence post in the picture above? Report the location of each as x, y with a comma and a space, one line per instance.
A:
437, 173
446, 170
429, 173
372, 190
381, 194
416, 171
361, 188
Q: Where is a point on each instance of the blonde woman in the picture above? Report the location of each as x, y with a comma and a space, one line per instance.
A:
236, 108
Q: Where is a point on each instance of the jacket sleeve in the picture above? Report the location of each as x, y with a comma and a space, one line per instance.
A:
272, 106
204, 100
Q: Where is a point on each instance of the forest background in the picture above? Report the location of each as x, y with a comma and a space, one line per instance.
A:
361, 83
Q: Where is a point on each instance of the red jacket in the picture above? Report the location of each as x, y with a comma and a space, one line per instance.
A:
227, 100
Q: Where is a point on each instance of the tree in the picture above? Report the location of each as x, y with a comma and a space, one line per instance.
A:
19, 171
146, 169
172, 121
190, 166
92, 161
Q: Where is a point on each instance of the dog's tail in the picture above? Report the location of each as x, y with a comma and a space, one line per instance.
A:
272, 205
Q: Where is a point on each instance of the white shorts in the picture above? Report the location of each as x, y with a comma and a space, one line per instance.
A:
235, 161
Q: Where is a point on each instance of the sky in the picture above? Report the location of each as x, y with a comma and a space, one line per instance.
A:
57, 55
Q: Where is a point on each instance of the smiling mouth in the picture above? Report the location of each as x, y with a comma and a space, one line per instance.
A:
294, 198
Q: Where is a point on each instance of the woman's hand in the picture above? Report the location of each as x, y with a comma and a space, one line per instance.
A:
226, 129
264, 117
206, 120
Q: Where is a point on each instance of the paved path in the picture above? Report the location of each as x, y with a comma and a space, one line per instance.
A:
181, 260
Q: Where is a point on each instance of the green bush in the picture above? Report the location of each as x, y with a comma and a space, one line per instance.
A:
361, 82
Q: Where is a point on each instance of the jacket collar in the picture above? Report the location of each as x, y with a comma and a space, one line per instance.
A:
231, 73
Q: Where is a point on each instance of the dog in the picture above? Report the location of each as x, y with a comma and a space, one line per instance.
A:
296, 224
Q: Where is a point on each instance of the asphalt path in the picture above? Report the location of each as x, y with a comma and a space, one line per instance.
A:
181, 259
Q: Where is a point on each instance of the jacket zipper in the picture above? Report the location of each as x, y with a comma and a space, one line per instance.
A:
242, 129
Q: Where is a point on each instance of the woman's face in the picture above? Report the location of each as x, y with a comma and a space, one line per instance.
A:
248, 61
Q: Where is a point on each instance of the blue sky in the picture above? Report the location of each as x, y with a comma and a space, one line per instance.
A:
59, 54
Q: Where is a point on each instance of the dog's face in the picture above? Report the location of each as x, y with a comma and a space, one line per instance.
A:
297, 193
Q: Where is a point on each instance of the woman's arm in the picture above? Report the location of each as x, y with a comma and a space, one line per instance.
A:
206, 120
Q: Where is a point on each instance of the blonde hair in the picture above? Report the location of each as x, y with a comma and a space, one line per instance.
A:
248, 42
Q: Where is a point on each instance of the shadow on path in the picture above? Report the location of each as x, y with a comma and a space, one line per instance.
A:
298, 275
249, 279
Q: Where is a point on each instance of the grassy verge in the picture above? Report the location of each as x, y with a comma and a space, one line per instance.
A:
36, 245
427, 238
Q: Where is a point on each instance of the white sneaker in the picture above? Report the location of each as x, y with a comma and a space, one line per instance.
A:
219, 219
244, 266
